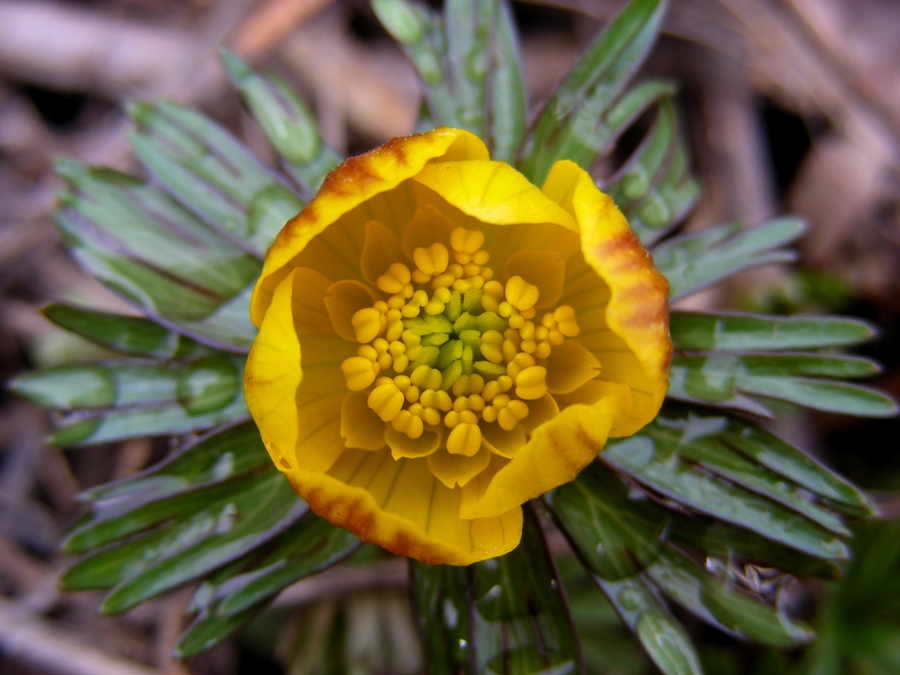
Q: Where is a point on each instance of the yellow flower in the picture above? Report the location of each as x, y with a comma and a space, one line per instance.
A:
441, 341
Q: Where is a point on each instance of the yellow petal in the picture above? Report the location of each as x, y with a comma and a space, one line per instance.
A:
502, 442
428, 226
637, 310
381, 250
402, 445
569, 366
492, 192
292, 394
544, 269
343, 299
402, 507
540, 410
556, 452
454, 470
360, 426
349, 186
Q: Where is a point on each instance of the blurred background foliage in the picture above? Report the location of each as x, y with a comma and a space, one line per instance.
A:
786, 106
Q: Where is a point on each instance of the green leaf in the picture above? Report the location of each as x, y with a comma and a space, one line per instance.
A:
249, 516
512, 608
505, 86
127, 399
655, 187
287, 123
660, 633
693, 261
727, 379
469, 64
627, 534
211, 173
733, 331
144, 246
602, 523
662, 458
122, 508
588, 111
724, 606
131, 335
441, 603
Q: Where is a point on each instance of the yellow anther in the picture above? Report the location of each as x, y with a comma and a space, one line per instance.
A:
402, 382
518, 364
368, 324
471, 270
529, 346
461, 386
486, 272
431, 416
542, 351
426, 377
383, 380
386, 400
432, 260
407, 423
466, 241
518, 408
451, 419
489, 414
565, 317
412, 393
434, 306
476, 403
359, 372
443, 281
541, 333
481, 258
531, 384
476, 383
394, 279
393, 325
493, 296
520, 294
468, 417
397, 300
510, 416
526, 332
555, 338
385, 361
368, 351
442, 400
464, 439
461, 403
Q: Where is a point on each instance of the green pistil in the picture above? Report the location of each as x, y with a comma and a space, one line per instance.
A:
451, 341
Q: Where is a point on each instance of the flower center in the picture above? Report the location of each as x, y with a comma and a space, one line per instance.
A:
452, 347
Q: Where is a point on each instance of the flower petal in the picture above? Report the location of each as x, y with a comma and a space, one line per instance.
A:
544, 269
454, 470
637, 309
402, 445
381, 250
360, 426
569, 366
540, 410
556, 452
402, 507
350, 185
501, 442
292, 393
342, 300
